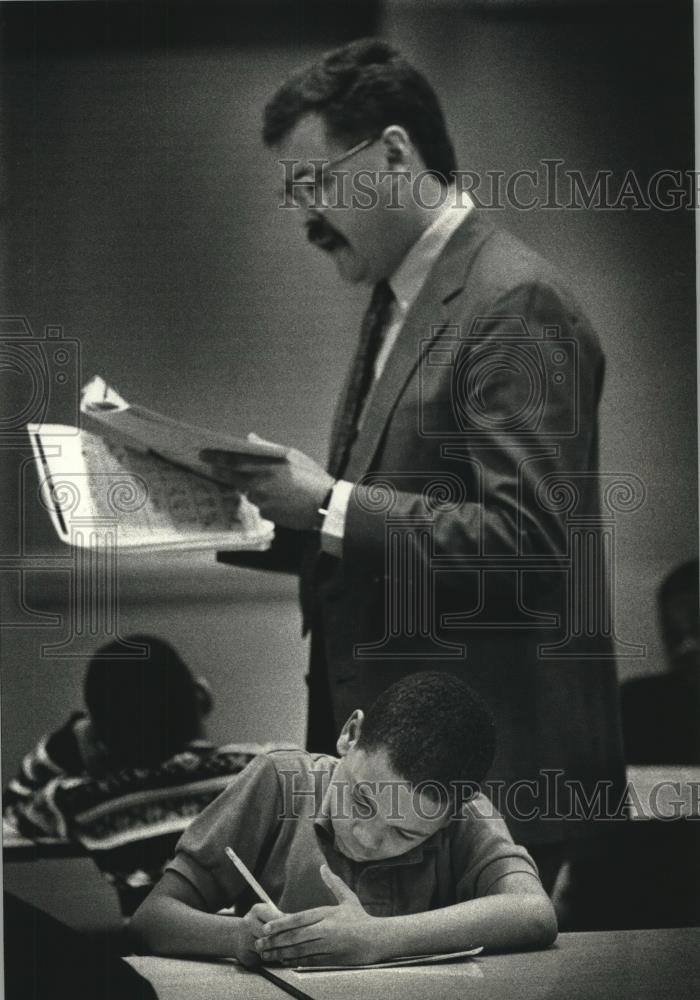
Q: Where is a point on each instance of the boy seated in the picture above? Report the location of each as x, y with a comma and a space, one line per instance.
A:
368, 857
124, 778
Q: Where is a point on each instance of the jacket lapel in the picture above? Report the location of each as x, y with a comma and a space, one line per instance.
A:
431, 312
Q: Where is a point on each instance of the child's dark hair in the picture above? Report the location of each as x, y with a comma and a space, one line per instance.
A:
142, 709
435, 729
359, 89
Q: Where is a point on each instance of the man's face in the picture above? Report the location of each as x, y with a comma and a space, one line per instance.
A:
375, 812
359, 239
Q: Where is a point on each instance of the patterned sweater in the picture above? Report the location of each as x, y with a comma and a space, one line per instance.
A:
127, 820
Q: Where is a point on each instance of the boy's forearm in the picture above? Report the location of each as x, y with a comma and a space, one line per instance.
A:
170, 927
509, 921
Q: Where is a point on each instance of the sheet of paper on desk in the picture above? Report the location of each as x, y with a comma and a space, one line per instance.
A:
452, 956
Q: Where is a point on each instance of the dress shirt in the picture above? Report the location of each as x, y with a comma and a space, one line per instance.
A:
406, 282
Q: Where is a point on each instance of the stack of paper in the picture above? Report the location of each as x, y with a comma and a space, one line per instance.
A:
135, 476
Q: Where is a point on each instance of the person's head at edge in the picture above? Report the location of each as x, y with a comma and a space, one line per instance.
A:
363, 94
432, 739
143, 709
678, 609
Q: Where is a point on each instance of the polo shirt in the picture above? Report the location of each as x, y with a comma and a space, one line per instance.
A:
272, 816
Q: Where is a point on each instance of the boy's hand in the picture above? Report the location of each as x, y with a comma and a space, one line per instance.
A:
325, 935
250, 929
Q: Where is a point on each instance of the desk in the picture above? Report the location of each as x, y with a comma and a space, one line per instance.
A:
18, 848
624, 965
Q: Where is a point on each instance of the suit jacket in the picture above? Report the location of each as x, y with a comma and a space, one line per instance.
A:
475, 464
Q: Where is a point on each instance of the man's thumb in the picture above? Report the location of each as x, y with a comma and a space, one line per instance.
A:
340, 890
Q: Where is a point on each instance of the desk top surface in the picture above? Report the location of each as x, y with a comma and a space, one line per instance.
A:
627, 965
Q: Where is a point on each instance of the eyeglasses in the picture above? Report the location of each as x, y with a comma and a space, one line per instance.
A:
308, 193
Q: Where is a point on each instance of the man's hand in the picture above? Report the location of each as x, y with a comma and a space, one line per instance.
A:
288, 491
250, 928
326, 935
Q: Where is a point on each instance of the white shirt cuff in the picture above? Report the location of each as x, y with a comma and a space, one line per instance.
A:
333, 527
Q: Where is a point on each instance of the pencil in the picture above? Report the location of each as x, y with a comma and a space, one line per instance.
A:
293, 991
248, 876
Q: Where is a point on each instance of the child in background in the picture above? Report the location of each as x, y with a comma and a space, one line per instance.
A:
384, 852
124, 779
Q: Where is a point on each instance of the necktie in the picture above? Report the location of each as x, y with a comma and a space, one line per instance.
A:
344, 432
361, 374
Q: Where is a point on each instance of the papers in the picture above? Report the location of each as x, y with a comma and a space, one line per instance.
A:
452, 956
135, 477
107, 414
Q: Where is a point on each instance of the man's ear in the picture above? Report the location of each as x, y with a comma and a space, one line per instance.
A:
204, 696
350, 733
397, 146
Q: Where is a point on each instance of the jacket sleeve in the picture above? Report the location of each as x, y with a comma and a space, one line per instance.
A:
283, 556
519, 423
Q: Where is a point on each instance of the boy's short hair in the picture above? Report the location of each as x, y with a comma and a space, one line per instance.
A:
435, 729
359, 89
143, 710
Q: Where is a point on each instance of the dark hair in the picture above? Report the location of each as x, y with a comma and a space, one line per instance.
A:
434, 729
359, 89
143, 710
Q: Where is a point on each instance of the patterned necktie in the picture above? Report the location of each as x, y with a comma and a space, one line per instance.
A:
361, 375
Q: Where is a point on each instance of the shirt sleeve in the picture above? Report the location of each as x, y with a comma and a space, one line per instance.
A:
484, 851
246, 817
333, 529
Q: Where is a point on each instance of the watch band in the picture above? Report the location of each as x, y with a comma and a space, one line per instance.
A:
325, 504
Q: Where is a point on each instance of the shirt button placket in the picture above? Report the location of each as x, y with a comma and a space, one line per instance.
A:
377, 892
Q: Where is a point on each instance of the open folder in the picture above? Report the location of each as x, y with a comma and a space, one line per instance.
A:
135, 476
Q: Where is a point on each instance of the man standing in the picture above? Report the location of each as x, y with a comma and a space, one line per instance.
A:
437, 536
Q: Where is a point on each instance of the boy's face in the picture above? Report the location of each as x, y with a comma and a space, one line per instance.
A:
375, 812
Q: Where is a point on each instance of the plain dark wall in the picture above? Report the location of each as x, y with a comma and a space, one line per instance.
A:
140, 215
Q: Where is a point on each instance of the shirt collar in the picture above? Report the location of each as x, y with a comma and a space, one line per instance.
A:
409, 277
